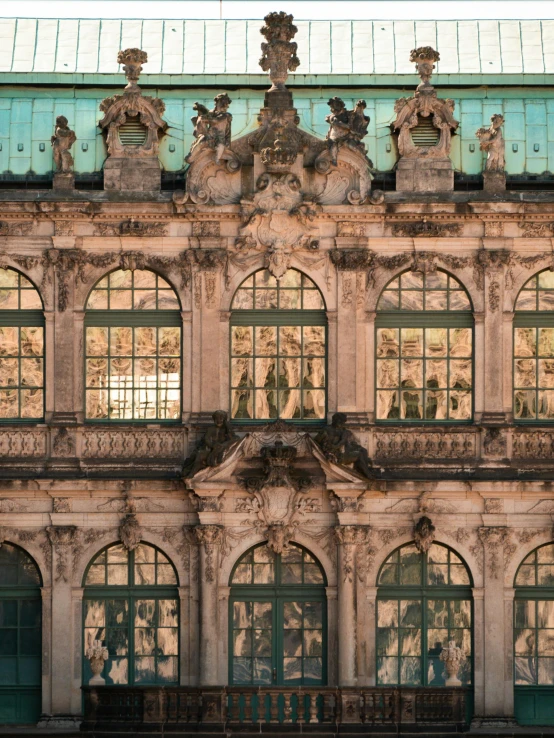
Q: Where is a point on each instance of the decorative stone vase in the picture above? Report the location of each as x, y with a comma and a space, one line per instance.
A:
97, 654
452, 656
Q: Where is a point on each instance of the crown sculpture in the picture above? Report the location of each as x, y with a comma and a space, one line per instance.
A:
424, 127
134, 125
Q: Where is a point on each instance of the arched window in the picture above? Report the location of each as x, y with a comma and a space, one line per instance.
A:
424, 350
534, 350
277, 624
21, 349
20, 636
278, 349
131, 605
423, 602
534, 638
133, 349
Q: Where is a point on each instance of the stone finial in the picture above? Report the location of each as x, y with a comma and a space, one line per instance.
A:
279, 53
132, 60
62, 140
424, 58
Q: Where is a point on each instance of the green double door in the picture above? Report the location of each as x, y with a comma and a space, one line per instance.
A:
20, 637
278, 640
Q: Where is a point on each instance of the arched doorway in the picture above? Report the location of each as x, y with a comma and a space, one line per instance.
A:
534, 638
424, 600
277, 619
20, 636
131, 605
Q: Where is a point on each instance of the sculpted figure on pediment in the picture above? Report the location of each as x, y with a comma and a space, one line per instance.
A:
339, 446
212, 130
216, 445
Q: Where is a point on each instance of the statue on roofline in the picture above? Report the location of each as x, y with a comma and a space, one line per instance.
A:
212, 129
339, 446
62, 140
346, 127
492, 141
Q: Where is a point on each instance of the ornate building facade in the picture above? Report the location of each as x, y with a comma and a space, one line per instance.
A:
275, 427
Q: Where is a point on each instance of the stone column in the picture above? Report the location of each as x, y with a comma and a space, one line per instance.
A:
346, 341
209, 537
332, 389
64, 335
371, 622
347, 537
509, 594
493, 359
50, 364
370, 369
223, 633
479, 649
332, 631
46, 666
77, 651
479, 366
494, 540
63, 539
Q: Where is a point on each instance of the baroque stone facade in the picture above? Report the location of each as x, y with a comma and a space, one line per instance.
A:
349, 486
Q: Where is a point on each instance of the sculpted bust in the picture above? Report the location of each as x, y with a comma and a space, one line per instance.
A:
340, 446
214, 446
62, 140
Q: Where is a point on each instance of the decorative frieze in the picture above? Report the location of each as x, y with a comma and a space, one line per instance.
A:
424, 444
15, 228
533, 444
130, 227
426, 229
24, 442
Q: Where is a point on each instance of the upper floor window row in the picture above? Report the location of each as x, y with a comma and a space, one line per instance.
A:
21, 348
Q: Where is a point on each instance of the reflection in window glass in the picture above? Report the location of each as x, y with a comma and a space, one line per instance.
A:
132, 370
534, 619
278, 370
424, 372
413, 630
140, 631
21, 348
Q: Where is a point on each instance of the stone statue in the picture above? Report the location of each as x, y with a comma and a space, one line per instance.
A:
339, 446
214, 447
212, 128
346, 127
492, 141
62, 140
279, 53
452, 656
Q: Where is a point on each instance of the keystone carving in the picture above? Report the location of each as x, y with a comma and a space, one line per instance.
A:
424, 104
120, 109
62, 140
424, 534
130, 531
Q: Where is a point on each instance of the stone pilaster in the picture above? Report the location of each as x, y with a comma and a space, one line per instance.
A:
347, 539
209, 538
493, 351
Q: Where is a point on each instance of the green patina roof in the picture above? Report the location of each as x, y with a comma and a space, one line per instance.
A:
494, 49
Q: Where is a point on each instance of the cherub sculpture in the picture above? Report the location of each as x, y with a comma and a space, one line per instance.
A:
339, 446
215, 446
492, 141
346, 127
62, 140
212, 128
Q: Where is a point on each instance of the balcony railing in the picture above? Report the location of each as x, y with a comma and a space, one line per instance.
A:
238, 708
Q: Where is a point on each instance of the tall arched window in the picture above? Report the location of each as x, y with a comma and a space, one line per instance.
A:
534, 638
21, 349
278, 349
20, 636
278, 621
131, 605
534, 350
423, 602
133, 349
424, 350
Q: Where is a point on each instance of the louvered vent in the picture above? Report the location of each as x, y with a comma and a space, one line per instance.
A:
132, 132
425, 133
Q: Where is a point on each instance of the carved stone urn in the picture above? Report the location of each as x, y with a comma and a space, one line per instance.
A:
452, 656
97, 654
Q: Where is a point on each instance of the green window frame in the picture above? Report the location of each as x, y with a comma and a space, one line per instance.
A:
131, 606
278, 350
423, 602
133, 349
22, 368
533, 351
20, 636
424, 338
277, 619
